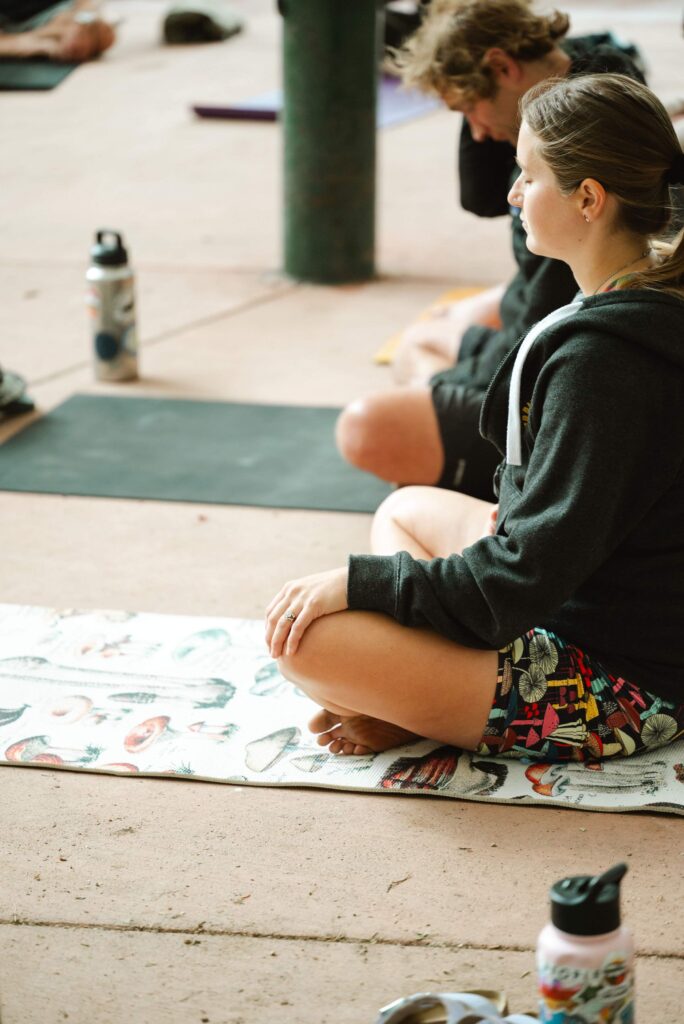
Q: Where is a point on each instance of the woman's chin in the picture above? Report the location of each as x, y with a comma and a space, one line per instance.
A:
534, 246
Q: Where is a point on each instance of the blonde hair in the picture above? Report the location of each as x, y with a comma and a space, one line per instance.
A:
615, 130
448, 50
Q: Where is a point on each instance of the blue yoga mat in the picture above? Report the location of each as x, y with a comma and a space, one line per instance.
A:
162, 449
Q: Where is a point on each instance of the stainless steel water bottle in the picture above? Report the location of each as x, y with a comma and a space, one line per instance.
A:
110, 298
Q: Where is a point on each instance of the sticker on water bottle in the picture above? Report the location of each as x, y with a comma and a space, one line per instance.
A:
106, 346
123, 307
93, 301
586, 995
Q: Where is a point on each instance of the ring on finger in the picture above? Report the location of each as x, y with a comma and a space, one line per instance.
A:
290, 616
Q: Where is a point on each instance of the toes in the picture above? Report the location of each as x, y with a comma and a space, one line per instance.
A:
330, 735
338, 744
344, 747
342, 735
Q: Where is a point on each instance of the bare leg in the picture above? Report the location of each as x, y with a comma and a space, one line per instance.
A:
394, 435
375, 698
383, 684
428, 522
432, 344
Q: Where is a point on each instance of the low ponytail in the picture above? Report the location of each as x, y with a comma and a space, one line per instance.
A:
668, 273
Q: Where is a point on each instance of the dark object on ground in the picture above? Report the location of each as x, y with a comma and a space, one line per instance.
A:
13, 398
202, 22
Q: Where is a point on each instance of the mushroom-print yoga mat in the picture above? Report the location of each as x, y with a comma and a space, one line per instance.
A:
200, 698
167, 449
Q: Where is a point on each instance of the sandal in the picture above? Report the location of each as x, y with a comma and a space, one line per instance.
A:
445, 1008
13, 398
475, 1007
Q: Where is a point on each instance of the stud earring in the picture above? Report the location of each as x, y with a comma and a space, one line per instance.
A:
586, 218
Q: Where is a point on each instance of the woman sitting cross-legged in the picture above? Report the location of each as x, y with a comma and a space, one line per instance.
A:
555, 628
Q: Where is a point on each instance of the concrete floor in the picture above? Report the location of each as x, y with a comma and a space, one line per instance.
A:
169, 902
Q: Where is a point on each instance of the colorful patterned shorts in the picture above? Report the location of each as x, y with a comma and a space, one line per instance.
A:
553, 702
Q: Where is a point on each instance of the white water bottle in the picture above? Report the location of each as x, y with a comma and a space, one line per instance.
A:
585, 956
110, 298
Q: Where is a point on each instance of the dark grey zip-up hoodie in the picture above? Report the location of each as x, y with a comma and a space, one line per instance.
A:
590, 534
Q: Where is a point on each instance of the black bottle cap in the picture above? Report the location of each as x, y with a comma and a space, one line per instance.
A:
109, 250
586, 905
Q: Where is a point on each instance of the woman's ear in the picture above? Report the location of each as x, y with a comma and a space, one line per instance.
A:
506, 69
591, 199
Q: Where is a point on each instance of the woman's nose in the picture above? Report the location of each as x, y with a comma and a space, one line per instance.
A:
515, 194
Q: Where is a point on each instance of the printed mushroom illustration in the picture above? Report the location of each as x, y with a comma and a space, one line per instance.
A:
9, 715
71, 709
202, 645
38, 749
263, 753
219, 732
142, 736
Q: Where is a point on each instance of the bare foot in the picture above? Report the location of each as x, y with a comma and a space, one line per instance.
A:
358, 734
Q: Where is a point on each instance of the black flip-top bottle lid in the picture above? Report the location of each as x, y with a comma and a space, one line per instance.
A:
109, 250
586, 905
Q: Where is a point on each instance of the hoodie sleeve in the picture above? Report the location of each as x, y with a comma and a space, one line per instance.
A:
601, 414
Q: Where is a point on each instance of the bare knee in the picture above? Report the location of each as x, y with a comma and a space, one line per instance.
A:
358, 428
398, 524
286, 667
306, 663
306, 669
395, 435
396, 506
293, 667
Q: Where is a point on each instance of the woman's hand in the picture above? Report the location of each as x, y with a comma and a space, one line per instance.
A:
441, 333
298, 603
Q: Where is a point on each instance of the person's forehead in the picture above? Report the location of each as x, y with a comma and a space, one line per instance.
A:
526, 150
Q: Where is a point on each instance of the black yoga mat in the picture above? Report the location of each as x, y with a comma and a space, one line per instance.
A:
164, 449
32, 74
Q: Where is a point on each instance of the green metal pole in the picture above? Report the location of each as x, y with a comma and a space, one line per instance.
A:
330, 60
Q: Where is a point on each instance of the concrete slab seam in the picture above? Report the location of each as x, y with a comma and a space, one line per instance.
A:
347, 940
245, 307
